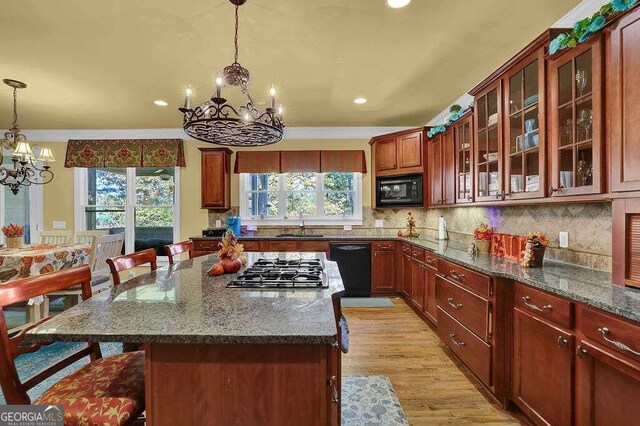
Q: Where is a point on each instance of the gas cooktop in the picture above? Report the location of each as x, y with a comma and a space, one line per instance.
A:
278, 273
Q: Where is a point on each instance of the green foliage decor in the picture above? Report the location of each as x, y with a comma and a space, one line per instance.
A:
587, 27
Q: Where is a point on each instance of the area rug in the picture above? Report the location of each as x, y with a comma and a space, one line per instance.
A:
366, 302
366, 400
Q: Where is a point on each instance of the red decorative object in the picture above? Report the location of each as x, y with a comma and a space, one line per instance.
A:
231, 266
507, 246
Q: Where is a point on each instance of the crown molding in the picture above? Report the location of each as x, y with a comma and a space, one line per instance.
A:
289, 133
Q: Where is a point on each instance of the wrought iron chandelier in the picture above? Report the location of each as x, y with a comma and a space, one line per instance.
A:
216, 121
28, 168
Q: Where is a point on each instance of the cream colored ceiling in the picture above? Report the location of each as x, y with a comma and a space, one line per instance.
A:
100, 64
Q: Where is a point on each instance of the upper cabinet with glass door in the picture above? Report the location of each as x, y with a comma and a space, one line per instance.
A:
488, 149
524, 150
575, 84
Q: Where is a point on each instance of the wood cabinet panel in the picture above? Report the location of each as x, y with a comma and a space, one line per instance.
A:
417, 253
383, 246
544, 305
319, 246
279, 245
626, 231
624, 102
410, 150
469, 309
611, 331
607, 387
542, 370
386, 155
488, 162
472, 351
430, 307
464, 161
448, 167
417, 284
215, 178
405, 288
383, 278
431, 260
435, 171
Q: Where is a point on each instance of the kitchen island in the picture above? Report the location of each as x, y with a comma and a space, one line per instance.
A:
218, 355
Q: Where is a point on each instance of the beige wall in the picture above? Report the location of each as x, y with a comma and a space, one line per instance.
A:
58, 195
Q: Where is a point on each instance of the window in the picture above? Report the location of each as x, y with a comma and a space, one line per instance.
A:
288, 197
141, 202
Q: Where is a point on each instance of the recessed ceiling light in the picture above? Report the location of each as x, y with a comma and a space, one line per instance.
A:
360, 101
160, 102
397, 4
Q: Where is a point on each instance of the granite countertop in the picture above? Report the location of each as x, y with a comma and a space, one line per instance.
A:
589, 286
181, 304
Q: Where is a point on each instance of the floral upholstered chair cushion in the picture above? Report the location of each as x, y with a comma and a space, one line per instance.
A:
108, 391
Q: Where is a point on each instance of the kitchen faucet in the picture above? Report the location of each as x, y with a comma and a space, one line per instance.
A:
302, 228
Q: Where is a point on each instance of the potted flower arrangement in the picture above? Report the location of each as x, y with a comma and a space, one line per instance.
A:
230, 256
534, 248
482, 238
14, 234
411, 228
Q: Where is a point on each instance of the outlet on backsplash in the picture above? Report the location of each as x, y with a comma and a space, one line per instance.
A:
564, 239
379, 223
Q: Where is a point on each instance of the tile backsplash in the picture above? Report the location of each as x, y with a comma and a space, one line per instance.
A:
588, 224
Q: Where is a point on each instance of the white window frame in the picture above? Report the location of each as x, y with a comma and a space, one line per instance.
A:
356, 219
36, 200
81, 185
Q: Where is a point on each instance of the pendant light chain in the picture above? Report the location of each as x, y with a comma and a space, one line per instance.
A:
15, 108
235, 40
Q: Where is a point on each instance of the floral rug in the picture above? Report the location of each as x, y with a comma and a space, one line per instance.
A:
366, 400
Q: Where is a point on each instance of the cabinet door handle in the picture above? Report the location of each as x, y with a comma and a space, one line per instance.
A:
562, 341
581, 352
552, 190
452, 304
456, 276
455, 341
605, 335
428, 260
334, 389
527, 301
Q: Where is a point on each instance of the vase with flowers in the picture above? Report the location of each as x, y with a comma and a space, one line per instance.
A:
534, 248
14, 234
482, 238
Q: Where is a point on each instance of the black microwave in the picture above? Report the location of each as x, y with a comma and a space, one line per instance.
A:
399, 191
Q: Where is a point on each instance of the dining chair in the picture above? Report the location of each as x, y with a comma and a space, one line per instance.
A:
177, 248
129, 261
56, 237
87, 237
107, 390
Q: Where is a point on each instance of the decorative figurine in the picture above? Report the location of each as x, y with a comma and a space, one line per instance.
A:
410, 231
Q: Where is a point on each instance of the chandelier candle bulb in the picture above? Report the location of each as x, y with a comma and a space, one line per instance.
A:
272, 92
187, 98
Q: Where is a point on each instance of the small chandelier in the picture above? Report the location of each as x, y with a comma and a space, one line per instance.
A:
216, 121
28, 169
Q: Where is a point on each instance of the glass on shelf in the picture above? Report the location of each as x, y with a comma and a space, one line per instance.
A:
515, 93
566, 168
584, 120
494, 178
566, 125
583, 76
584, 165
483, 180
515, 133
532, 167
565, 83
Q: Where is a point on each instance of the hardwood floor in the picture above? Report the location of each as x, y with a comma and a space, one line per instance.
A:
431, 384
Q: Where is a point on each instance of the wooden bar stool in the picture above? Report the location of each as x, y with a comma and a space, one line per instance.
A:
106, 391
128, 261
177, 248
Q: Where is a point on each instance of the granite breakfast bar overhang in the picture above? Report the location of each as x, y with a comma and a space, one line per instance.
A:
216, 354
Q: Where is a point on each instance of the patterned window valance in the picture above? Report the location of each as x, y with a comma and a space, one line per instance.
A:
125, 153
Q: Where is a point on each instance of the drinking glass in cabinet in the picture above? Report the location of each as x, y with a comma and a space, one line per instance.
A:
581, 81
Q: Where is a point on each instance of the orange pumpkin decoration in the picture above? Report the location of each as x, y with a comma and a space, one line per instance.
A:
216, 270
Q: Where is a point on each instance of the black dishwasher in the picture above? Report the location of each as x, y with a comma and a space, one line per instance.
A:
354, 262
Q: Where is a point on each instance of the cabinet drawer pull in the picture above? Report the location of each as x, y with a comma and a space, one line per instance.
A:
452, 304
455, 341
605, 333
527, 301
581, 352
562, 341
415, 253
456, 276
429, 260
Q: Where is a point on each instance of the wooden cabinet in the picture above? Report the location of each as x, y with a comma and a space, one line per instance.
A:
383, 277
607, 387
542, 369
524, 129
417, 284
576, 111
448, 168
626, 250
488, 143
405, 287
623, 106
397, 153
430, 309
435, 170
215, 178
463, 153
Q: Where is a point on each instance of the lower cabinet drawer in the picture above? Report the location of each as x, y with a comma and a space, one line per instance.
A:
474, 281
473, 352
251, 245
383, 246
314, 246
471, 310
279, 245
544, 305
205, 245
612, 332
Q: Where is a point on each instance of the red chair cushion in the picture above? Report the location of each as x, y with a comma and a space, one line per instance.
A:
107, 391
